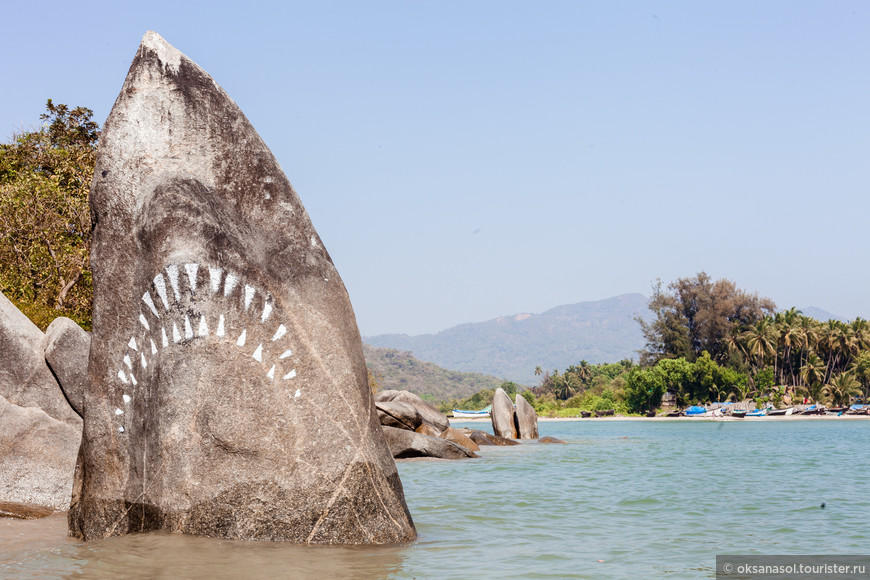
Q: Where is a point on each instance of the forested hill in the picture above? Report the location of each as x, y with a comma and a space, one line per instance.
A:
396, 369
512, 346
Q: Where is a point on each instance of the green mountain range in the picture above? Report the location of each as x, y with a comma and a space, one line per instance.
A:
511, 347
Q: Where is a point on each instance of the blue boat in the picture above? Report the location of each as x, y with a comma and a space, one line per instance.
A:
694, 410
482, 414
756, 413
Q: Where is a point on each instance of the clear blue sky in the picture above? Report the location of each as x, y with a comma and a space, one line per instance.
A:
464, 160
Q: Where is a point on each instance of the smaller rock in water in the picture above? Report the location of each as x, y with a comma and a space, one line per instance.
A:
23, 511
66, 347
483, 438
406, 444
549, 440
527, 419
460, 438
398, 414
503, 423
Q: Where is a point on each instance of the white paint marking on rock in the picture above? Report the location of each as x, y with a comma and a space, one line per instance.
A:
220, 328
285, 354
242, 337
191, 270
164, 340
172, 272
144, 362
282, 330
176, 336
122, 376
132, 344
128, 362
298, 392
267, 310
144, 321
258, 354
203, 327
121, 429
146, 298
290, 375
133, 379
230, 283
160, 286
119, 412
249, 295
214, 276
153, 346
271, 373
188, 329
127, 398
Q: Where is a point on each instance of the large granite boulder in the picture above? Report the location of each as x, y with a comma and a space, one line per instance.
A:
37, 457
526, 419
405, 444
66, 347
25, 379
429, 413
398, 414
227, 392
502, 415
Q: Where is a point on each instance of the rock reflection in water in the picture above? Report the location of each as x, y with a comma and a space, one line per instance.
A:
41, 548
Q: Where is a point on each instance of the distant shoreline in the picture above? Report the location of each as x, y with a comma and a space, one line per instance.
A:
697, 419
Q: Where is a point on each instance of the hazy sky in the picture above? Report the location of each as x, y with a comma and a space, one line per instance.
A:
463, 160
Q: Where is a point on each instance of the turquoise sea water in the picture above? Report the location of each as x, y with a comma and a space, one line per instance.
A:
623, 499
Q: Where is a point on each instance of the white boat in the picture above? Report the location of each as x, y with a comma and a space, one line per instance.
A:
482, 414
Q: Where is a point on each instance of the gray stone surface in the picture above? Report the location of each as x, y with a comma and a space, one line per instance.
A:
37, 457
429, 413
405, 444
25, 379
227, 392
526, 419
398, 414
502, 415
66, 347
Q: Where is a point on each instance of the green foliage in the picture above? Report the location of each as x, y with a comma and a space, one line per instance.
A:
764, 380
45, 177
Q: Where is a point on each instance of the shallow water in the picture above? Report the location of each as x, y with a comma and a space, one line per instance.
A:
621, 499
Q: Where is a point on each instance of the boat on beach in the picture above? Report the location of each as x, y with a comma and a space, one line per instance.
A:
482, 414
778, 412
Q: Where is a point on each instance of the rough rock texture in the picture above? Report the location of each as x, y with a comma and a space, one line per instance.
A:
398, 414
404, 444
460, 438
37, 457
502, 415
429, 413
66, 347
526, 418
25, 379
23, 511
549, 440
427, 429
483, 438
227, 392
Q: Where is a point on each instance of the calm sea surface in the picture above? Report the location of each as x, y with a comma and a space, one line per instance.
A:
624, 499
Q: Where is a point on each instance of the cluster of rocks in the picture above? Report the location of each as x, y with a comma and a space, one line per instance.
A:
42, 379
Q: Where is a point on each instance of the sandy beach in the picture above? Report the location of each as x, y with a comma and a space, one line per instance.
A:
660, 419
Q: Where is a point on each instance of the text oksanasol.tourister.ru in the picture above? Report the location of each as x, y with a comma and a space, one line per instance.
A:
773, 566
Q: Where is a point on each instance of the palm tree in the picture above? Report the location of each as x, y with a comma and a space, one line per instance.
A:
813, 375
761, 342
842, 388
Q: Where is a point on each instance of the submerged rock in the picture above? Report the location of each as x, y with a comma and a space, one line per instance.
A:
502, 414
405, 444
66, 348
549, 440
527, 419
37, 457
25, 379
460, 438
483, 438
23, 511
227, 391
